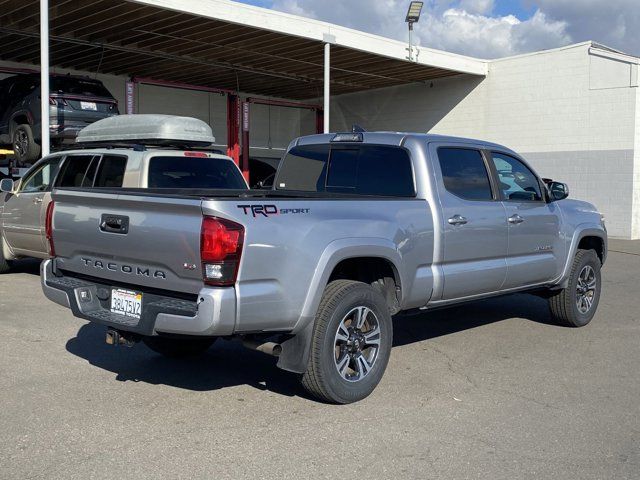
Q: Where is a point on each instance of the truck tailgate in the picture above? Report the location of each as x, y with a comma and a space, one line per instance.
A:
149, 241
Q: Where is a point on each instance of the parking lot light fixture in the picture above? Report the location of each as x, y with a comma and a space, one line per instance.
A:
413, 16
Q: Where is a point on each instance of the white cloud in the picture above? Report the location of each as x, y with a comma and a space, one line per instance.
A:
615, 23
471, 27
485, 36
483, 7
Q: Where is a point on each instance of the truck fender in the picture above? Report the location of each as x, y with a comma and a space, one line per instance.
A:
295, 350
581, 231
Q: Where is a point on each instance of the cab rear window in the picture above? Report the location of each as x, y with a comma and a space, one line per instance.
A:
194, 172
376, 170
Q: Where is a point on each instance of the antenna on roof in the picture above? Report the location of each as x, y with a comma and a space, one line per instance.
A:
357, 128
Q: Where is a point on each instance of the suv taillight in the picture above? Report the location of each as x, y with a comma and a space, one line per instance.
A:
48, 229
220, 250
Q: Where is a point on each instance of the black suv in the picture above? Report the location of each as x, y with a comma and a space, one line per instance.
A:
74, 103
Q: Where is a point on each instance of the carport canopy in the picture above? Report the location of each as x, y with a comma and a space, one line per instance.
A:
217, 43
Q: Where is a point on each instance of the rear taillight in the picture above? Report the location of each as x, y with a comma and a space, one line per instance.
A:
220, 250
48, 229
57, 101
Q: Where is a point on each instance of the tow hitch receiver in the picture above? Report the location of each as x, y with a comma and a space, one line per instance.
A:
118, 338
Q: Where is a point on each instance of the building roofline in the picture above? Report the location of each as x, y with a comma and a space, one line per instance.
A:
311, 29
588, 44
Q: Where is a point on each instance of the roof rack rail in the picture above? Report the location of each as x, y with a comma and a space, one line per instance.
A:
143, 145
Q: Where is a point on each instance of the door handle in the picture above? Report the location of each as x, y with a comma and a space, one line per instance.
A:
457, 220
515, 219
37, 200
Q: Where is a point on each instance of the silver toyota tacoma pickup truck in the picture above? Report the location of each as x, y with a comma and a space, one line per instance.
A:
358, 227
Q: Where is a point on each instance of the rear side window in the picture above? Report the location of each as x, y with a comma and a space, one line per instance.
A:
111, 171
464, 173
75, 171
376, 170
194, 172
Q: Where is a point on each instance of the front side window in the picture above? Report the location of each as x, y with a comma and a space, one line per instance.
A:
464, 173
42, 177
517, 181
194, 172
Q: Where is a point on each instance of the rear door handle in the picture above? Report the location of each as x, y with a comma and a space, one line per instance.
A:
457, 220
515, 219
37, 200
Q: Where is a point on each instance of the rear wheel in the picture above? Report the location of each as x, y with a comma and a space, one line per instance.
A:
25, 148
576, 305
351, 343
178, 347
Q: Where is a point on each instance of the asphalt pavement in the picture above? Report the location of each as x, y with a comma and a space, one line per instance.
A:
488, 390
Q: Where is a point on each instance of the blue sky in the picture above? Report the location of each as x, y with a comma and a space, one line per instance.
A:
484, 28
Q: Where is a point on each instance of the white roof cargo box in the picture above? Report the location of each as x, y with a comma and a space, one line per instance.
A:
148, 129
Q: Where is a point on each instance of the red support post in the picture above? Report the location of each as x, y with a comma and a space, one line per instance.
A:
319, 121
246, 106
233, 128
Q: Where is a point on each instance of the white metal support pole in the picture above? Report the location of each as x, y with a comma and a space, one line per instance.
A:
327, 85
44, 75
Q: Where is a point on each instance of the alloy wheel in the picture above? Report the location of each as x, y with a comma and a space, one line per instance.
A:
586, 289
357, 343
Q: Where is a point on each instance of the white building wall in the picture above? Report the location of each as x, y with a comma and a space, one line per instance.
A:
572, 114
635, 223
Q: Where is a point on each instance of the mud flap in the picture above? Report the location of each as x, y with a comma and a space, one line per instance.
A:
295, 351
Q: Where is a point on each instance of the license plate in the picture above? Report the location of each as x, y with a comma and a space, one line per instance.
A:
88, 106
126, 302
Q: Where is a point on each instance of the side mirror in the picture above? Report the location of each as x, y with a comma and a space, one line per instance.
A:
6, 185
558, 191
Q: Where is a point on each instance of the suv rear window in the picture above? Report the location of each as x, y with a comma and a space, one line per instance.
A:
79, 86
377, 170
194, 172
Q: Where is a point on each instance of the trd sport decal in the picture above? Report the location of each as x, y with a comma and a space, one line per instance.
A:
269, 210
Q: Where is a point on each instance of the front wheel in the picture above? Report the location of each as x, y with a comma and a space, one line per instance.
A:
576, 305
25, 148
178, 347
351, 343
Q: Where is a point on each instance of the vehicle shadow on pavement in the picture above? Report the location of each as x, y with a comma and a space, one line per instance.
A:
27, 265
412, 328
228, 364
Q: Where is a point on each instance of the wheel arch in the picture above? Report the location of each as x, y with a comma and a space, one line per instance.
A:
586, 236
353, 259
339, 257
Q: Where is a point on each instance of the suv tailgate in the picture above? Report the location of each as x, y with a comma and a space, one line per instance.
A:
149, 241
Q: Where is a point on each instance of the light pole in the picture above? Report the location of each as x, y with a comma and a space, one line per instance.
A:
413, 16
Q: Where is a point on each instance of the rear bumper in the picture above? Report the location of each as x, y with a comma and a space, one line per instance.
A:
212, 313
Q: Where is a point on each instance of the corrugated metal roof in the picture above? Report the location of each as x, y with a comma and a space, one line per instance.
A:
216, 43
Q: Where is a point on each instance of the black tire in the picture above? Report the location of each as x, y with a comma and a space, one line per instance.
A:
564, 303
322, 378
178, 347
25, 148
5, 265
